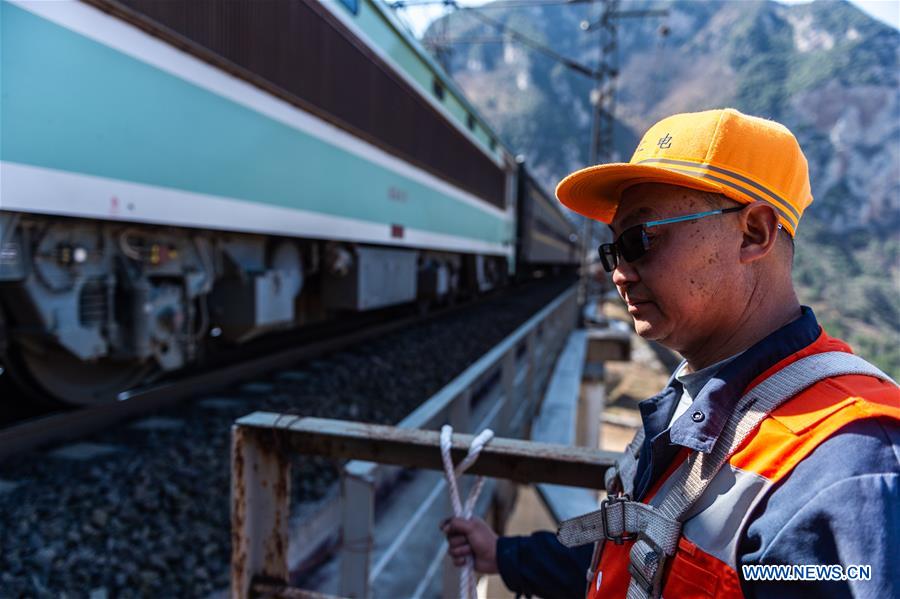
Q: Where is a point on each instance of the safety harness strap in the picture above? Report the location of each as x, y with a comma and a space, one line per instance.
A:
619, 477
617, 520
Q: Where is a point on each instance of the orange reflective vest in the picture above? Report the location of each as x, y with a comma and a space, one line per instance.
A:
705, 562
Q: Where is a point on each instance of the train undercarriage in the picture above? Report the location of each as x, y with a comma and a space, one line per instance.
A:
90, 308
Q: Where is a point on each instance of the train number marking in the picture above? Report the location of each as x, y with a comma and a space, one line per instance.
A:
395, 194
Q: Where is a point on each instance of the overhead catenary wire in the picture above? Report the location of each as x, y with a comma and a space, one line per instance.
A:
511, 33
495, 4
534, 44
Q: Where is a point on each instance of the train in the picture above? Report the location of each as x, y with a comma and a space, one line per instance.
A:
175, 174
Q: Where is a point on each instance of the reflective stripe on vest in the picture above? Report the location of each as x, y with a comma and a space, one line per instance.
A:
705, 563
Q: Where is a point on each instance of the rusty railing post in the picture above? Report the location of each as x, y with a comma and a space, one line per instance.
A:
357, 523
260, 503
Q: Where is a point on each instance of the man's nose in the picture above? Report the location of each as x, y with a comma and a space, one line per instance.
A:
624, 273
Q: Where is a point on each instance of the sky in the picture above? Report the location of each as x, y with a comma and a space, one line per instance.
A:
887, 11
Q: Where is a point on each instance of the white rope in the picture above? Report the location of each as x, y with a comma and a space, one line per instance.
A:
466, 573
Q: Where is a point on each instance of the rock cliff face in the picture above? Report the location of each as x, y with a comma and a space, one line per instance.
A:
855, 153
824, 69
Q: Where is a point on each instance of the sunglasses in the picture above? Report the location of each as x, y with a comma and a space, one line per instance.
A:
633, 243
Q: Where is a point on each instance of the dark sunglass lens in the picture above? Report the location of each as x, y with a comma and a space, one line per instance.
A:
608, 256
631, 243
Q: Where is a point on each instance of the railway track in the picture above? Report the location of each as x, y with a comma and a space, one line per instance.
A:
73, 423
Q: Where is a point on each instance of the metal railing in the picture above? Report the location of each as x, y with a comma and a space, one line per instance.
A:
263, 442
500, 391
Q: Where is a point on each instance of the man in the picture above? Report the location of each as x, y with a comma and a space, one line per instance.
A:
703, 218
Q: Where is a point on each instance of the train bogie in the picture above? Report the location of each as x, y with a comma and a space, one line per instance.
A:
103, 299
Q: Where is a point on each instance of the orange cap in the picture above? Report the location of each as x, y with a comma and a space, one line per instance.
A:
743, 157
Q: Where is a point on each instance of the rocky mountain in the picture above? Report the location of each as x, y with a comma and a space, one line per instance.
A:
825, 69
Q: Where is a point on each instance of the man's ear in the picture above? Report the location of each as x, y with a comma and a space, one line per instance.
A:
759, 226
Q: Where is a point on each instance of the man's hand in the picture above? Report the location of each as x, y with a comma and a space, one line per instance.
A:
471, 538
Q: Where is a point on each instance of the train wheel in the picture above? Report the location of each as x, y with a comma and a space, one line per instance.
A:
53, 376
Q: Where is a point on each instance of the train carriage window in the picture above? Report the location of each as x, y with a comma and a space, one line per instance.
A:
438, 89
470, 122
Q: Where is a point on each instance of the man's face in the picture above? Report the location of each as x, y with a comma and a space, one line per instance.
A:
679, 292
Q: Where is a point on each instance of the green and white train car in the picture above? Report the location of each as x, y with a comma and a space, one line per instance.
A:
177, 170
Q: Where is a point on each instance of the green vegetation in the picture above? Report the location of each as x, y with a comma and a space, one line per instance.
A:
852, 283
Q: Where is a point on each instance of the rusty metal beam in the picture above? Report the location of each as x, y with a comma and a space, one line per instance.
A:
521, 461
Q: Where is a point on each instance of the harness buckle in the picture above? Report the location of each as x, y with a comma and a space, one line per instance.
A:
652, 584
638, 578
604, 506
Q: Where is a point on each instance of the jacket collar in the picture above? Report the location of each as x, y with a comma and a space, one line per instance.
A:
718, 396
